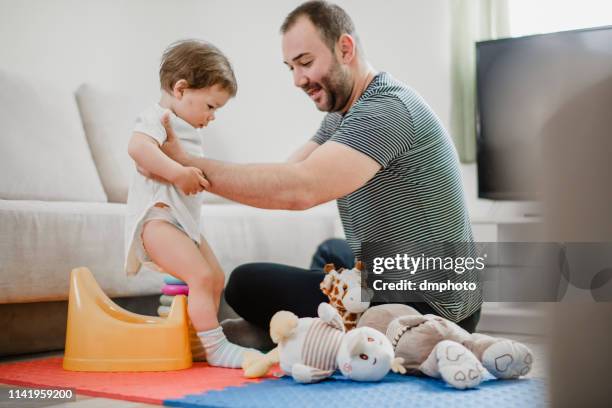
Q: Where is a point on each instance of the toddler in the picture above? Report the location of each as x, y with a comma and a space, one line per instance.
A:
162, 224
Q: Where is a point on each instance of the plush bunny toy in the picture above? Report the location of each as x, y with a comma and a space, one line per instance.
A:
311, 349
439, 348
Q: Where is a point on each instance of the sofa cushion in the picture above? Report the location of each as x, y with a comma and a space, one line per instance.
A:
108, 119
41, 242
44, 154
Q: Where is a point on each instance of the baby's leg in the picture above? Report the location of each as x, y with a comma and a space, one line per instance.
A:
174, 252
197, 347
215, 348
219, 275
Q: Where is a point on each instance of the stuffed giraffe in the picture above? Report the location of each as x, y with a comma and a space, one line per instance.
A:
345, 292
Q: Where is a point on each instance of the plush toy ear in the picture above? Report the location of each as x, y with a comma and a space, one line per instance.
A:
356, 345
326, 284
330, 316
329, 267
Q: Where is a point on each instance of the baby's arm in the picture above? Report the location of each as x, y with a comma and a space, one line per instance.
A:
146, 153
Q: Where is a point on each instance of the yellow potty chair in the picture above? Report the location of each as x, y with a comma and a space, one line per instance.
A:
101, 336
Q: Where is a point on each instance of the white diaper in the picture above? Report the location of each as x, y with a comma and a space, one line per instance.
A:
154, 213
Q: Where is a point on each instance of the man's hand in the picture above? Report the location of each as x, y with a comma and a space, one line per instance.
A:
171, 147
203, 182
190, 180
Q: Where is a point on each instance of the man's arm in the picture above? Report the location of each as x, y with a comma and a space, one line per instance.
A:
331, 171
303, 152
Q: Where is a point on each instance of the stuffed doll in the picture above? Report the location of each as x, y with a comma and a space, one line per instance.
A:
311, 349
345, 293
439, 348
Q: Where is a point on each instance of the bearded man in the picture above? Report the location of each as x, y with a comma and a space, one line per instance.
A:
380, 151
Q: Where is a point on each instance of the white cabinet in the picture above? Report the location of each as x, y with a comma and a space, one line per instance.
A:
508, 222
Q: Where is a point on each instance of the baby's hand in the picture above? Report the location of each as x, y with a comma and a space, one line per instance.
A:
190, 180
171, 147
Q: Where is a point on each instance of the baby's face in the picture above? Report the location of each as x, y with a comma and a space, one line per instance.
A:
198, 106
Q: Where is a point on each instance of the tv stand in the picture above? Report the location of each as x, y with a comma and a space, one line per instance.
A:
500, 221
506, 221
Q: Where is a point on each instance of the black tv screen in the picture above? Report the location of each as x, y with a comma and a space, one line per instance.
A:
520, 84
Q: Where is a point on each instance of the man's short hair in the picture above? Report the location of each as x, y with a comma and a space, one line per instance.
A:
198, 62
331, 21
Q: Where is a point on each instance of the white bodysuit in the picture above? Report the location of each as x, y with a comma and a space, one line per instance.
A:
183, 211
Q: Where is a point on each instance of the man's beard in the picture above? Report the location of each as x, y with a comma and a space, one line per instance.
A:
337, 86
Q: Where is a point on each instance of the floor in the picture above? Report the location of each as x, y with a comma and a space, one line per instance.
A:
537, 345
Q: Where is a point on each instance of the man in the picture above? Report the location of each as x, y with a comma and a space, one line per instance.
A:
380, 152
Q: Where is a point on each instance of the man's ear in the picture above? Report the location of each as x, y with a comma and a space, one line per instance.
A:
347, 48
179, 88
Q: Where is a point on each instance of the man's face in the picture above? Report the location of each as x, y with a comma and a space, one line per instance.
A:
315, 68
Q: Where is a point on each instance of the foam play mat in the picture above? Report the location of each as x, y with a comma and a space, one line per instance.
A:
205, 386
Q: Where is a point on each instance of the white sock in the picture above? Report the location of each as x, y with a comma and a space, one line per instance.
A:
219, 351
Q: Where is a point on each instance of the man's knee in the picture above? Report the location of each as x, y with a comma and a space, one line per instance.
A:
327, 247
333, 250
238, 284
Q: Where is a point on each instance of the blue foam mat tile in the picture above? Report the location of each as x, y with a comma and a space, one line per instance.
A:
394, 391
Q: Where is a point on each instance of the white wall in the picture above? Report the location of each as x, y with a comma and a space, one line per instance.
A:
116, 45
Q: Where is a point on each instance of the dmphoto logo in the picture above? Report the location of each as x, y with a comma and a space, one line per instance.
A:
496, 272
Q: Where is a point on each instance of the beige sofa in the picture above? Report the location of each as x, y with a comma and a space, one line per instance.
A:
64, 175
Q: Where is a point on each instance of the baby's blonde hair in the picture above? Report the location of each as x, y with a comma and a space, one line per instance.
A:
198, 62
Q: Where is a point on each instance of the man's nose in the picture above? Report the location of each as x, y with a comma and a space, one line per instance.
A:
299, 79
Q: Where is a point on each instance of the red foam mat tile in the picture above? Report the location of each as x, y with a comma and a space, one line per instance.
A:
148, 387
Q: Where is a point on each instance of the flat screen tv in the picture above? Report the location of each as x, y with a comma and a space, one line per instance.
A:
520, 84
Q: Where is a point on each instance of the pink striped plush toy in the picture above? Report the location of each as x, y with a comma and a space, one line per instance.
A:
311, 349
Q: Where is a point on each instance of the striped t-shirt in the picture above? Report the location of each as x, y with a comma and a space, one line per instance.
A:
417, 195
